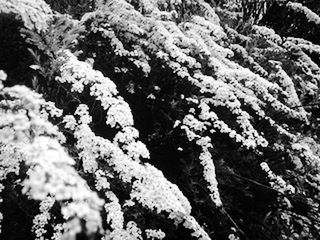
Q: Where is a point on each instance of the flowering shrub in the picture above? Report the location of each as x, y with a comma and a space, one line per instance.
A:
297, 19
157, 120
35, 15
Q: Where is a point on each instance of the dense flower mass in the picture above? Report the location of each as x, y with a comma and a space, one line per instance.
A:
158, 119
35, 15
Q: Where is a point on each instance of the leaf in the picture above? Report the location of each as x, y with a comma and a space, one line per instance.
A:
35, 67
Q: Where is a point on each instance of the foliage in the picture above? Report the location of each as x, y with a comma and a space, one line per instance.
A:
75, 8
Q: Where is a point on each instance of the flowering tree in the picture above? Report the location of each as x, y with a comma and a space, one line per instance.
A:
156, 119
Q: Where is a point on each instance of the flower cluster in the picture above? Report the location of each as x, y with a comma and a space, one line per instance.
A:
36, 15
50, 172
277, 182
310, 15
155, 234
80, 74
41, 220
